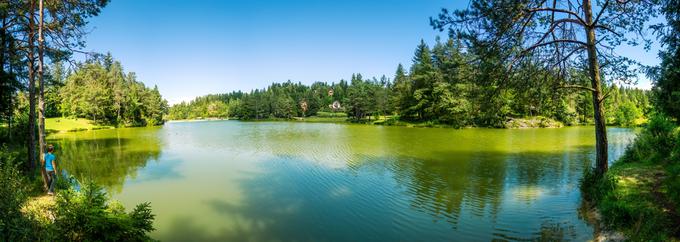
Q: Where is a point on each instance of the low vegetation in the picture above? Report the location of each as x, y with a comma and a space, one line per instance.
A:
74, 214
640, 195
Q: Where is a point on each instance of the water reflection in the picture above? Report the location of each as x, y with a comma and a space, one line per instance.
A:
106, 156
235, 181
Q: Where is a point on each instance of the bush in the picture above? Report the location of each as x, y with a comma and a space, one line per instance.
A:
74, 215
655, 144
87, 215
13, 193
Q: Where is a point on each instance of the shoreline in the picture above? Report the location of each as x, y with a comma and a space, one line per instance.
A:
527, 123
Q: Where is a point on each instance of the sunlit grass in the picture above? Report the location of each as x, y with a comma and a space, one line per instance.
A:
636, 202
67, 124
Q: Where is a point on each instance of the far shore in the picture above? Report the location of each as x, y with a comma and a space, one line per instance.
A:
63, 125
197, 120
515, 123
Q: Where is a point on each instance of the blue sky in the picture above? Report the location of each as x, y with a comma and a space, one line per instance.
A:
193, 48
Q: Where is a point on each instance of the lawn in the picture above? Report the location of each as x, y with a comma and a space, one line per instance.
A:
68, 124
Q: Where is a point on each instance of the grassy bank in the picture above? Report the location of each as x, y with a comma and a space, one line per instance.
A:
640, 194
68, 124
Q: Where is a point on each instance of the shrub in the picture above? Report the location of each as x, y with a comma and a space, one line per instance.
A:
13, 193
87, 215
655, 143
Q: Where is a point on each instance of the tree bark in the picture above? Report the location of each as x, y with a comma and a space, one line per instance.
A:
3, 50
41, 81
10, 49
31, 88
41, 95
601, 163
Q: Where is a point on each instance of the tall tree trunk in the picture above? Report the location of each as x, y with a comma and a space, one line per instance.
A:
3, 43
41, 81
601, 162
41, 95
31, 88
11, 74
3, 50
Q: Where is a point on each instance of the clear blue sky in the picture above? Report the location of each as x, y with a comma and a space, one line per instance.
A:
193, 48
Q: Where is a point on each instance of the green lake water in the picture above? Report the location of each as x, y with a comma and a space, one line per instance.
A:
280, 181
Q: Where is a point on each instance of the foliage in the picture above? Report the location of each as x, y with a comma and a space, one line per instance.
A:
627, 113
547, 41
655, 143
84, 215
667, 75
14, 226
99, 90
87, 215
442, 88
639, 195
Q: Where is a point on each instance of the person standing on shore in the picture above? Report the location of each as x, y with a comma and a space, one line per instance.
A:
50, 164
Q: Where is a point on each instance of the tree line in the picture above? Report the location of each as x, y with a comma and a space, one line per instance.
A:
100, 90
443, 85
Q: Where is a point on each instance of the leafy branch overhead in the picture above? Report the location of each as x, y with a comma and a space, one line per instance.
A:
553, 34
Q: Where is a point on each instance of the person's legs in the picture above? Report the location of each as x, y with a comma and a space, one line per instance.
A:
51, 177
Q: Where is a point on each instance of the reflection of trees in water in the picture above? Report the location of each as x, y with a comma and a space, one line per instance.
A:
447, 183
107, 160
475, 183
442, 188
297, 200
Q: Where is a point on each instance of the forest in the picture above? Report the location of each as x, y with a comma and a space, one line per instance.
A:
97, 89
100, 90
36, 39
443, 85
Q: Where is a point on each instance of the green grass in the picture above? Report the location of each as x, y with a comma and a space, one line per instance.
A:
318, 119
68, 124
331, 114
640, 194
638, 202
638, 199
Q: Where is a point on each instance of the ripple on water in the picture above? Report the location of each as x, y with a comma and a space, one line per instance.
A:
321, 182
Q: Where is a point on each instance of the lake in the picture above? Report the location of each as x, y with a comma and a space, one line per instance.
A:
291, 181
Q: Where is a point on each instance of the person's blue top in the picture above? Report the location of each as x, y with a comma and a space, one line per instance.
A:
49, 157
